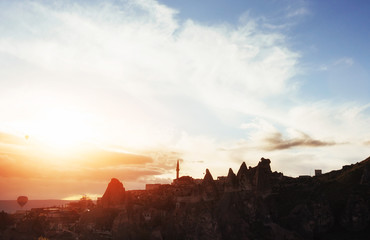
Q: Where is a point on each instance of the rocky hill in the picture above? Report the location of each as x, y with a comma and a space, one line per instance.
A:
256, 203
114, 194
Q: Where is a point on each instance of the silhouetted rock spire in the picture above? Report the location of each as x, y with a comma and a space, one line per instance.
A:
263, 175
231, 183
231, 177
114, 194
209, 187
244, 177
231, 173
208, 177
265, 165
242, 170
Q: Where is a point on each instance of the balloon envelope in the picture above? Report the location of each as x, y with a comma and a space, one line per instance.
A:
22, 200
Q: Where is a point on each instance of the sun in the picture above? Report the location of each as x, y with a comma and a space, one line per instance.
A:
61, 129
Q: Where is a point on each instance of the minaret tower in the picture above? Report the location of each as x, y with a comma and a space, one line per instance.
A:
177, 169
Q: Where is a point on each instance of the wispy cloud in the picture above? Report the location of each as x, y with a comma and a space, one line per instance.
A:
89, 162
302, 11
347, 61
137, 79
145, 64
277, 142
341, 62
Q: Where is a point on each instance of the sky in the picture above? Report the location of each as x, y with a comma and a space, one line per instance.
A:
91, 90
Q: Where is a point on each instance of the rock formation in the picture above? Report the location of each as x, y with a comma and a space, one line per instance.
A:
244, 178
231, 183
114, 194
209, 187
262, 178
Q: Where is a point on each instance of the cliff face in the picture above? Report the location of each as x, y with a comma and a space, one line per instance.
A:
254, 204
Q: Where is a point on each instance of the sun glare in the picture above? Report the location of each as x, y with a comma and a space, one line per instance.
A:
60, 129
78, 197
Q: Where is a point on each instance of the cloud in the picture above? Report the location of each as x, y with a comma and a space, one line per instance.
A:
327, 120
130, 174
276, 142
136, 75
302, 11
347, 61
33, 170
16, 166
88, 162
13, 165
6, 138
341, 62
100, 158
150, 89
145, 51
324, 134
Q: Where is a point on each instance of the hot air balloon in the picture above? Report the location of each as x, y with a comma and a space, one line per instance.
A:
22, 200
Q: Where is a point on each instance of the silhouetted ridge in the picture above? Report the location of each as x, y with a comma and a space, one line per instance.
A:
261, 205
365, 178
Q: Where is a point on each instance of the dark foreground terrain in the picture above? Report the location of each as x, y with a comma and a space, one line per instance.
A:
255, 203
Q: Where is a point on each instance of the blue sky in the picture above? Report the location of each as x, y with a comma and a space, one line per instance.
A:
324, 33
214, 83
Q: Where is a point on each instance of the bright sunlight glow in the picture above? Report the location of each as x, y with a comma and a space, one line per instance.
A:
60, 129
